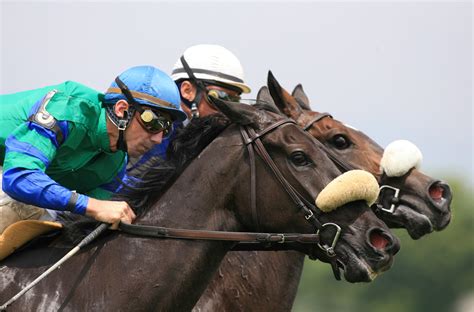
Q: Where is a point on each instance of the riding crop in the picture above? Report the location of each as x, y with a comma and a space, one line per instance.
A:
88, 239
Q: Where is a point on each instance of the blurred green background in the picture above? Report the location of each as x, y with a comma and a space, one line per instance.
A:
434, 273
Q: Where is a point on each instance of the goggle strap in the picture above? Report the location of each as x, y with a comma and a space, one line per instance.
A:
190, 73
128, 95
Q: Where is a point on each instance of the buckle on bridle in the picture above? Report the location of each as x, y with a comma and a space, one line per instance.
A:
122, 124
330, 249
393, 200
282, 236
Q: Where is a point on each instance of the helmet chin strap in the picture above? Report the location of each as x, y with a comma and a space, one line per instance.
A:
200, 88
195, 104
122, 126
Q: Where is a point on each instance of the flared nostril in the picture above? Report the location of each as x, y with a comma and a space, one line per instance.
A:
437, 191
379, 240
440, 194
383, 241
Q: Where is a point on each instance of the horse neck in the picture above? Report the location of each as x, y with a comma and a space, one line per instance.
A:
254, 279
201, 198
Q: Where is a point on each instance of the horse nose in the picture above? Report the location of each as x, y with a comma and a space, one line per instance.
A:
383, 241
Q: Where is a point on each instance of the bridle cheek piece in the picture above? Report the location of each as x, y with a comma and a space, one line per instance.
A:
253, 142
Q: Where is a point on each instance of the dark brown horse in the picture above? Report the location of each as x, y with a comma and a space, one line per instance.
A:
126, 273
422, 206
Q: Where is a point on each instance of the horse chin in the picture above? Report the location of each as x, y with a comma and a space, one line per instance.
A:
359, 272
356, 270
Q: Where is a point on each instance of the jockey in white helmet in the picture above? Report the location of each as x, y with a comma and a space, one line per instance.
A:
207, 69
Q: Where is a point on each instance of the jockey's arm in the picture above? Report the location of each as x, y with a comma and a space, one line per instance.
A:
29, 151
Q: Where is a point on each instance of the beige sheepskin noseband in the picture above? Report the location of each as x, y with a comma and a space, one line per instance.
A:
350, 186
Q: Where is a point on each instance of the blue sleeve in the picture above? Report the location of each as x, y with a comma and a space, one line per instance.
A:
34, 187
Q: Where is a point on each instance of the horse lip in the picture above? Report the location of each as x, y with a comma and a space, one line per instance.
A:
363, 268
417, 224
443, 223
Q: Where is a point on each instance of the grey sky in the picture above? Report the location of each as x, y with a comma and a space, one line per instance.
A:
392, 69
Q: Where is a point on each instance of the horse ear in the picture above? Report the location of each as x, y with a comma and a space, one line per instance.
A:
242, 114
264, 95
283, 100
301, 97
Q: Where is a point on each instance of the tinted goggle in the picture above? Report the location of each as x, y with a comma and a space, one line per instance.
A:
153, 121
222, 95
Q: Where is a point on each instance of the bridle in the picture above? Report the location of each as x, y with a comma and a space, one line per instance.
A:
254, 143
256, 240
345, 166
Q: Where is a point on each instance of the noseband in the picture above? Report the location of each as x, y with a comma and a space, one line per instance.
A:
345, 166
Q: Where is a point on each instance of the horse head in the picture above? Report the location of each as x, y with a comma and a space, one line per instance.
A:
408, 198
363, 248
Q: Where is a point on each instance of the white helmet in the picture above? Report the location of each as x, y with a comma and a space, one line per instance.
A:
213, 63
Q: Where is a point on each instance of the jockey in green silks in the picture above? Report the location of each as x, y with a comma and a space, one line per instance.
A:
62, 146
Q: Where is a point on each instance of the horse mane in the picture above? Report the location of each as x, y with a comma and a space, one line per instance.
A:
156, 175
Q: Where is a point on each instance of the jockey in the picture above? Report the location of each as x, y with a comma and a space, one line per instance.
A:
203, 70
208, 70
62, 146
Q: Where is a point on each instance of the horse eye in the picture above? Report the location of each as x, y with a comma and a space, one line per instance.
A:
340, 141
299, 158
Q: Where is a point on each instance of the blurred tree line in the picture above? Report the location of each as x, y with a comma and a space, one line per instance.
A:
434, 273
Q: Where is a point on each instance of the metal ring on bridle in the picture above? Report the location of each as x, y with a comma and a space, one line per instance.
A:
330, 249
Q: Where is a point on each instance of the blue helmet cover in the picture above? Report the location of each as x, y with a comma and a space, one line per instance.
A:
153, 82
